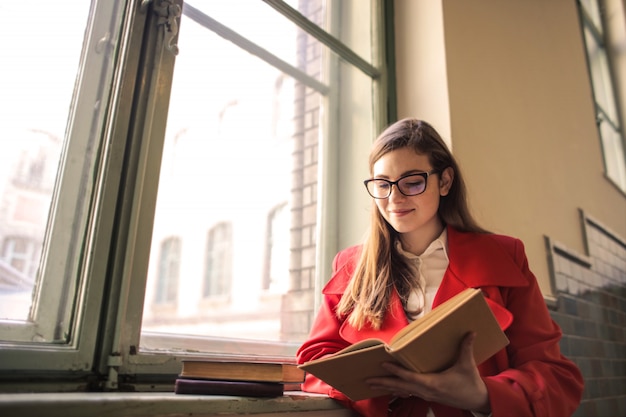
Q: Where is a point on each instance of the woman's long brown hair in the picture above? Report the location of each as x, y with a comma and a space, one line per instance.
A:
381, 268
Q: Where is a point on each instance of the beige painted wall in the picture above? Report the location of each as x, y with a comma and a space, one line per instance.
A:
518, 110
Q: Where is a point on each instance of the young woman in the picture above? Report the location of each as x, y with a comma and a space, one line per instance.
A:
424, 247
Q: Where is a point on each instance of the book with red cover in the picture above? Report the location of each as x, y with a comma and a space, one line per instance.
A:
221, 387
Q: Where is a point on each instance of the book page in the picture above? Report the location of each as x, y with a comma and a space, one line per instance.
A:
432, 317
363, 344
436, 347
347, 372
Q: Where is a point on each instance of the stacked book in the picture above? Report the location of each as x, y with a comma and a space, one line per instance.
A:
245, 379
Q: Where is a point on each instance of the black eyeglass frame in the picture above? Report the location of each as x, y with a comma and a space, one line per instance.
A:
424, 175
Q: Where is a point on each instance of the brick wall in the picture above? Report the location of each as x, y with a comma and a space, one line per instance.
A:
591, 310
296, 312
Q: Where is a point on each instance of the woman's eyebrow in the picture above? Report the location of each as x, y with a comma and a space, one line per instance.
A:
404, 174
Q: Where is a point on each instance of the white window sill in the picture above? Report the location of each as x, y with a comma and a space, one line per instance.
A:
122, 404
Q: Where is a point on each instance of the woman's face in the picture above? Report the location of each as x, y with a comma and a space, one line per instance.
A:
414, 217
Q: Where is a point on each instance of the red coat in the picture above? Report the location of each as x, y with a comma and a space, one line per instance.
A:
529, 377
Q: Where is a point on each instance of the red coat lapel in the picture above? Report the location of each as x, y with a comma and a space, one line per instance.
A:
483, 261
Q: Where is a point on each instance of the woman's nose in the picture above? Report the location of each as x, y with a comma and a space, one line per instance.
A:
395, 193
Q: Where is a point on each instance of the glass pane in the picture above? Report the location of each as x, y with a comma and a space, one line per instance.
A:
250, 156
601, 76
614, 155
262, 25
57, 73
244, 17
354, 28
593, 11
237, 190
39, 68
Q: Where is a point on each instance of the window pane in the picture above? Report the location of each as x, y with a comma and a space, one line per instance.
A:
253, 20
240, 136
604, 93
614, 158
593, 12
219, 261
350, 31
239, 177
39, 68
601, 76
57, 72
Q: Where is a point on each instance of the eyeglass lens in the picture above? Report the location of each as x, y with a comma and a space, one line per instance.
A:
411, 185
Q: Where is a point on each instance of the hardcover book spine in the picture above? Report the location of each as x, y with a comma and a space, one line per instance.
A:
236, 388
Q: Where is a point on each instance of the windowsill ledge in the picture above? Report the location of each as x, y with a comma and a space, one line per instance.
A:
121, 404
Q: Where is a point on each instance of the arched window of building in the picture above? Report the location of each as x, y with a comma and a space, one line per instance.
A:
218, 270
276, 274
169, 271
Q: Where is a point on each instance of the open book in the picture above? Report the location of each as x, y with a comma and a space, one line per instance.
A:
429, 344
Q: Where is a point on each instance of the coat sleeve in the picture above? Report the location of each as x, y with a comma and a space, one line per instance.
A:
539, 380
325, 339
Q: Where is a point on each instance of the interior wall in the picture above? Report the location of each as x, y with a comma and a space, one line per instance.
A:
520, 111
421, 68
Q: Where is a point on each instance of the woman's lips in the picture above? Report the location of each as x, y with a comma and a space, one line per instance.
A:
400, 212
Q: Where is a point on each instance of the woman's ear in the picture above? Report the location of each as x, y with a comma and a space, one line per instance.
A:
445, 181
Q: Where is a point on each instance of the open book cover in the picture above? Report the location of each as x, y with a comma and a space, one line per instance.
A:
429, 344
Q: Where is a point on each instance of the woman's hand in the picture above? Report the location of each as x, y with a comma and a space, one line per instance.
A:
459, 386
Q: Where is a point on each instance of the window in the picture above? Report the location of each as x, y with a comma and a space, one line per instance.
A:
18, 260
607, 114
250, 140
276, 270
176, 186
53, 104
21, 253
219, 260
169, 271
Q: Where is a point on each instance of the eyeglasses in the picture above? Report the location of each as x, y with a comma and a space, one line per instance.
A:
409, 185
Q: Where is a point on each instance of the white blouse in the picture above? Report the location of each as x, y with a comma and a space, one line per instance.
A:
431, 266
